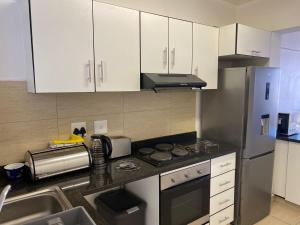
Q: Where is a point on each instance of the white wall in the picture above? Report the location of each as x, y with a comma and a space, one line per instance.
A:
290, 72
12, 53
291, 41
270, 14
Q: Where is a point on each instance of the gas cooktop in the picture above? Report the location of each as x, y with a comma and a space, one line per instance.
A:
167, 153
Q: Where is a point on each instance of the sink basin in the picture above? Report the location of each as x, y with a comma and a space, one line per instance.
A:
25, 208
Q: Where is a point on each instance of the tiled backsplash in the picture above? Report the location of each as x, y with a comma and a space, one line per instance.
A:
29, 121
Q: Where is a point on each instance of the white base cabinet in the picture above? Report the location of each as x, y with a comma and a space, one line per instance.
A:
280, 168
148, 190
293, 169
224, 217
222, 189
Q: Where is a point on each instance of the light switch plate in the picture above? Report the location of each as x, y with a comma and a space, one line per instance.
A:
100, 127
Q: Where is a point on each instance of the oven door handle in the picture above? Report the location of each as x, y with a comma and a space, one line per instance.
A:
187, 186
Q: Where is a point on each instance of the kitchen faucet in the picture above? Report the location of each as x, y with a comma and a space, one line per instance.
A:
3, 196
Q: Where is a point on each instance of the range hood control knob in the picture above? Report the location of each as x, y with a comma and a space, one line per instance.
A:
199, 172
173, 181
186, 176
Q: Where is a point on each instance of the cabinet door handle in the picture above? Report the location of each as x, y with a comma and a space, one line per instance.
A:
223, 202
90, 71
165, 55
223, 220
196, 71
254, 52
224, 183
101, 73
173, 56
225, 165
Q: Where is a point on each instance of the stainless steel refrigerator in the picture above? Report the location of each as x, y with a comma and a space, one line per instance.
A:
243, 112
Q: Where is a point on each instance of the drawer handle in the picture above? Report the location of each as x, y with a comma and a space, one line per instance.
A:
223, 220
223, 202
224, 183
225, 165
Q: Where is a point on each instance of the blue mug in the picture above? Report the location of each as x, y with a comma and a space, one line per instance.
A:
14, 171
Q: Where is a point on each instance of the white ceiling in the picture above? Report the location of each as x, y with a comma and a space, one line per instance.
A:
238, 2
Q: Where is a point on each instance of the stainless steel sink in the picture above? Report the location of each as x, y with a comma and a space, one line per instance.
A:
25, 208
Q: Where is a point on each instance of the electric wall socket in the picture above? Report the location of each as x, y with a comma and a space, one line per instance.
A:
100, 127
78, 125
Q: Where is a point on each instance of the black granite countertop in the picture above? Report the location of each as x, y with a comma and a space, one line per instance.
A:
78, 184
292, 138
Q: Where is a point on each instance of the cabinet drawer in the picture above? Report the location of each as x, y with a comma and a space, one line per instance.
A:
224, 217
222, 183
222, 164
221, 201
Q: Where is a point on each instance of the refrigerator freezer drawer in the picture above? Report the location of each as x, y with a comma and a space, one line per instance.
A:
223, 164
223, 218
222, 183
256, 188
221, 201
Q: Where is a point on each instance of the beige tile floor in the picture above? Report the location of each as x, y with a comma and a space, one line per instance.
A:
282, 213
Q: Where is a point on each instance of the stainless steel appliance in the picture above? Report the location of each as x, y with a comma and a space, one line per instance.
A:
185, 195
243, 112
161, 154
159, 82
121, 146
288, 123
51, 162
101, 149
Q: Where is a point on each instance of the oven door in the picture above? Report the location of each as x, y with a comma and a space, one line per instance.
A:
186, 203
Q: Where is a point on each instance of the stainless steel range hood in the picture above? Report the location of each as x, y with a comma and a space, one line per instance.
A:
159, 82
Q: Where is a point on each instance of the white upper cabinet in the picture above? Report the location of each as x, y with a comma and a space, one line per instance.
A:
117, 48
205, 54
62, 43
154, 43
238, 39
252, 41
180, 46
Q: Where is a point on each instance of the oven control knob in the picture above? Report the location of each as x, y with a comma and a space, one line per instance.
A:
173, 181
186, 176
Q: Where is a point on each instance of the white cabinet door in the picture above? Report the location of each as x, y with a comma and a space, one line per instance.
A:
148, 190
205, 54
154, 43
253, 42
180, 46
293, 168
117, 48
280, 167
227, 40
62, 37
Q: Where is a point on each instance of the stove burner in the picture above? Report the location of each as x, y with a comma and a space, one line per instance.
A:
146, 151
161, 156
127, 166
180, 152
164, 147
